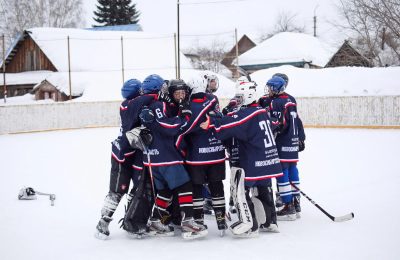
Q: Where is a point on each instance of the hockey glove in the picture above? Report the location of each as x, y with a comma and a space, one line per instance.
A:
230, 107
27, 194
215, 113
146, 116
146, 136
162, 96
184, 110
302, 146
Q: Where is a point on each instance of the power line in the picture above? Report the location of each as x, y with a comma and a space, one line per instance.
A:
212, 2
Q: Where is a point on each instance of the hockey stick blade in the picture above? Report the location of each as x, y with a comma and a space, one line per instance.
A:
347, 217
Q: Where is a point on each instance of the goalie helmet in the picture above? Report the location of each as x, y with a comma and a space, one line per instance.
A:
212, 83
197, 83
245, 92
276, 85
131, 89
152, 84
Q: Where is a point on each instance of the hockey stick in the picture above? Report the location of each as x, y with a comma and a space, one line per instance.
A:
346, 217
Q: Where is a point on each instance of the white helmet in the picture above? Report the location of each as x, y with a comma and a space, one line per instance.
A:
245, 92
212, 83
197, 83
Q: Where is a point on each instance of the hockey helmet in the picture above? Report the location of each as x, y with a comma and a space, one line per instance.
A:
197, 83
152, 84
212, 83
276, 85
245, 92
175, 85
131, 89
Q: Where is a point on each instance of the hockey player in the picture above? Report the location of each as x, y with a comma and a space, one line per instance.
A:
166, 166
258, 161
125, 163
205, 154
289, 140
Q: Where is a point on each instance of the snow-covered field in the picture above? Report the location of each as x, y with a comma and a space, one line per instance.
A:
341, 169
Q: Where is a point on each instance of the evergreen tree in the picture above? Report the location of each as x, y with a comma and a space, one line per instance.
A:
116, 12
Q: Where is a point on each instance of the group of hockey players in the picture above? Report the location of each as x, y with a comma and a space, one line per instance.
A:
173, 144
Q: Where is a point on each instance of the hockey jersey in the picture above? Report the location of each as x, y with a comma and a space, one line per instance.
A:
203, 147
164, 129
283, 107
129, 114
251, 128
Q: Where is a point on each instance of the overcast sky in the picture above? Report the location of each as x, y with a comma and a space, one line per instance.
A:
251, 17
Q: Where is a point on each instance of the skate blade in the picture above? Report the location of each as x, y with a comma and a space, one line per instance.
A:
298, 215
100, 236
287, 217
157, 234
194, 235
272, 228
248, 234
222, 232
137, 235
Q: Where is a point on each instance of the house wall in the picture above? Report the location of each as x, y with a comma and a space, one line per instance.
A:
29, 57
383, 111
16, 90
48, 91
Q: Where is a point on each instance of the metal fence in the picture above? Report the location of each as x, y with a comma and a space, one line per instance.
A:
368, 112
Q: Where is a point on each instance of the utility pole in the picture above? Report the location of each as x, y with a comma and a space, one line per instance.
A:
315, 21
4, 68
178, 42
237, 54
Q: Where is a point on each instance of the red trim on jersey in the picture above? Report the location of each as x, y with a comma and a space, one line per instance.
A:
233, 124
205, 162
165, 125
263, 177
199, 100
180, 137
289, 160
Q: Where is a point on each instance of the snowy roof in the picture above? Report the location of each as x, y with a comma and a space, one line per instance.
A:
288, 47
339, 81
125, 27
101, 50
25, 78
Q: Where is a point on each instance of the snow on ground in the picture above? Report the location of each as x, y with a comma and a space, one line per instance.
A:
344, 170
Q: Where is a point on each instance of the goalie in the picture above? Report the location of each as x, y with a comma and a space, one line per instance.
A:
258, 162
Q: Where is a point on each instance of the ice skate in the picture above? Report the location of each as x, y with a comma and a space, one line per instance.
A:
297, 207
156, 228
287, 213
272, 228
192, 230
221, 222
102, 231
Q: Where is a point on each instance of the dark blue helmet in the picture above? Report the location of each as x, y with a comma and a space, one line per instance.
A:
131, 89
276, 85
152, 84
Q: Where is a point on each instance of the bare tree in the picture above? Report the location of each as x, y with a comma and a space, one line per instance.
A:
375, 28
209, 57
18, 15
284, 22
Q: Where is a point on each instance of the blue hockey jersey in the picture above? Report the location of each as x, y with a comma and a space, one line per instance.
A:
251, 128
129, 115
164, 129
203, 147
283, 107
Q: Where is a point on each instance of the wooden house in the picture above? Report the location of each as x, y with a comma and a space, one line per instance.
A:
348, 56
244, 44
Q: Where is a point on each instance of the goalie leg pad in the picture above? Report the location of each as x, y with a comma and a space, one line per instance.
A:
245, 222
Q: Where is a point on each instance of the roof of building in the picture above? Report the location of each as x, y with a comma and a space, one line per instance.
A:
288, 48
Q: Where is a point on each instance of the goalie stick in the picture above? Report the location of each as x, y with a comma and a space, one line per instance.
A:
346, 217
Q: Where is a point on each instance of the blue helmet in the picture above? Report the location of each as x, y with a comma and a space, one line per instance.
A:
131, 89
276, 85
152, 84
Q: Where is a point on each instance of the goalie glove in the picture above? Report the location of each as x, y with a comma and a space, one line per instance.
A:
27, 194
139, 138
